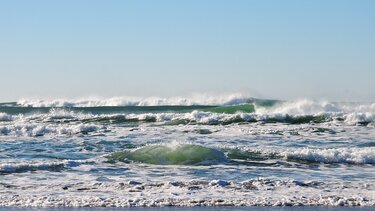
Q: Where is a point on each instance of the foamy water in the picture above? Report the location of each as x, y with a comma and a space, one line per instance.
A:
199, 151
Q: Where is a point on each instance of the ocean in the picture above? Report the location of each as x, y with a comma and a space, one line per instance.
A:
158, 152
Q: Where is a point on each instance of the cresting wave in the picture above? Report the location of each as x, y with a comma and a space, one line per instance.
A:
176, 154
70, 123
186, 152
215, 110
26, 121
262, 106
233, 99
189, 154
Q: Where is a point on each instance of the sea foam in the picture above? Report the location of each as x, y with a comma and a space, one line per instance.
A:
311, 107
5, 117
232, 99
343, 155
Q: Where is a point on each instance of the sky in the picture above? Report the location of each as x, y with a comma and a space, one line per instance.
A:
290, 49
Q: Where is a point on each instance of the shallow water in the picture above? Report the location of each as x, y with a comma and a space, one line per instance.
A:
196, 209
256, 153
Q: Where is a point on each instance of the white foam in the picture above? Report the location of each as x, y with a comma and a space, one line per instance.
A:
337, 155
231, 99
354, 118
300, 107
310, 107
41, 129
257, 192
68, 122
351, 113
212, 118
5, 117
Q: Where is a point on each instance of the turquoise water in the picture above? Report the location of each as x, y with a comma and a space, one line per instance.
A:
244, 152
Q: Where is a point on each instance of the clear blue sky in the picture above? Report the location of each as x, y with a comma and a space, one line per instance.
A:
271, 49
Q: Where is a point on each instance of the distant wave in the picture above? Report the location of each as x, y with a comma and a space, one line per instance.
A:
263, 107
67, 122
312, 107
32, 118
233, 99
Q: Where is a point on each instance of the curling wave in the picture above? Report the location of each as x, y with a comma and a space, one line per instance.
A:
176, 154
190, 154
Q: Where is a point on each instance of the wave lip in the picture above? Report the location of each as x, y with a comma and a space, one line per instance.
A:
177, 154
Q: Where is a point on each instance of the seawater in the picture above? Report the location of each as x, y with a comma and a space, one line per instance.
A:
124, 152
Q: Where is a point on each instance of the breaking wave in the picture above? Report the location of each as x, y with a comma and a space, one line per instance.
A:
308, 155
37, 120
346, 155
68, 122
234, 99
189, 154
5, 117
176, 154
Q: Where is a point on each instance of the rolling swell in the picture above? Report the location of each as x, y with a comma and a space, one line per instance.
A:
41, 166
189, 154
237, 111
185, 154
